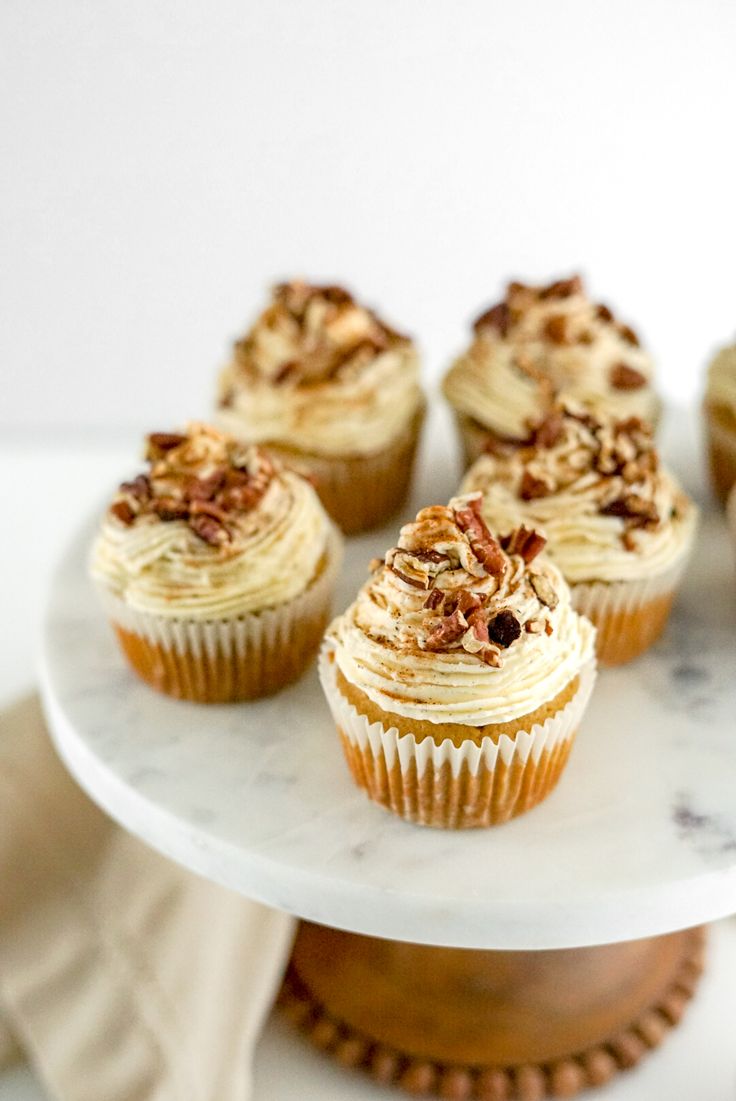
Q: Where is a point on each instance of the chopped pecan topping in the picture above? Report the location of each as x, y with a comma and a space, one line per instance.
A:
532, 487
549, 430
203, 478
603, 313
544, 590
633, 508
168, 508
208, 528
497, 317
483, 545
161, 442
629, 335
623, 377
556, 329
563, 288
449, 630
525, 542
504, 628
139, 488
123, 512
435, 598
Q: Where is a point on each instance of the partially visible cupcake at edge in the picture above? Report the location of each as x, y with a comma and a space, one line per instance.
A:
618, 525
458, 677
216, 567
325, 383
720, 417
539, 344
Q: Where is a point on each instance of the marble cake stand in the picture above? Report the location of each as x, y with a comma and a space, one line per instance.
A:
638, 840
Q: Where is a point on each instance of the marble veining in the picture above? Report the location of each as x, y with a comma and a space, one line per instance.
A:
639, 837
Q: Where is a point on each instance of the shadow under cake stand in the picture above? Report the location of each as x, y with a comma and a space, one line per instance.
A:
539, 956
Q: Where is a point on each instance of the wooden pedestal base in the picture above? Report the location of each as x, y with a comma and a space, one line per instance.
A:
491, 1026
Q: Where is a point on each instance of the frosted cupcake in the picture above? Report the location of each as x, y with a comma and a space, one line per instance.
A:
720, 416
618, 525
216, 568
323, 382
540, 343
458, 677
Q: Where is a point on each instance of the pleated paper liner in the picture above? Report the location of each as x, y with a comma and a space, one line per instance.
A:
721, 442
629, 615
228, 660
456, 786
362, 491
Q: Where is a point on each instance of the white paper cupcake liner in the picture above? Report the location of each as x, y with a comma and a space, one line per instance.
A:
450, 785
629, 615
228, 659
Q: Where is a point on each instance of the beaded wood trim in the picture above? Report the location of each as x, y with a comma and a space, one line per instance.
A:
531, 1082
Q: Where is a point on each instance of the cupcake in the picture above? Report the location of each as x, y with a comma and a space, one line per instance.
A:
538, 344
617, 523
458, 677
325, 384
216, 568
720, 417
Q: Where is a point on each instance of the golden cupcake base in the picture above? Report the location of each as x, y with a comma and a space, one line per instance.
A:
625, 633
361, 492
469, 1025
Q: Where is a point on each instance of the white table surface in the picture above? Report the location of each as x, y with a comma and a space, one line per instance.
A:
47, 484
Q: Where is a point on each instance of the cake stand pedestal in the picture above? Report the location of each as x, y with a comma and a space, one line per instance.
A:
638, 840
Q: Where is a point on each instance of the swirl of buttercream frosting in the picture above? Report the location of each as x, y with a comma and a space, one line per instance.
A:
457, 626
213, 530
320, 373
543, 343
597, 490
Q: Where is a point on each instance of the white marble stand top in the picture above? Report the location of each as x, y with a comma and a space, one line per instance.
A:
639, 838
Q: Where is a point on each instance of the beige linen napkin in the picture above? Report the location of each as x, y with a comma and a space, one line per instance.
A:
122, 976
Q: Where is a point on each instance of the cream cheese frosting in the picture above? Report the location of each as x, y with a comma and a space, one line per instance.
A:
457, 626
546, 342
721, 385
319, 373
214, 530
596, 489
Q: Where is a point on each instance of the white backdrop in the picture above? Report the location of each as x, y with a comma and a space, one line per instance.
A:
162, 162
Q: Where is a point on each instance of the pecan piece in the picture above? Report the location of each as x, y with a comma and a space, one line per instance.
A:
498, 317
632, 507
435, 598
209, 529
549, 430
629, 335
168, 508
161, 442
555, 329
122, 511
140, 488
208, 508
543, 588
603, 313
532, 487
525, 542
204, 489
468, 602
562, 288
504, 629
482, 543
623, 377
449, 630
